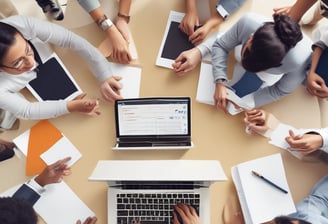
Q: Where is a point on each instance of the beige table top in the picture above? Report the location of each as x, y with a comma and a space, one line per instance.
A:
215, 135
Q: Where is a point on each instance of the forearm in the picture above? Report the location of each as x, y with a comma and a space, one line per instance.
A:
219, 59
299, 8
191, 6
33, 110
124, 7
317, 51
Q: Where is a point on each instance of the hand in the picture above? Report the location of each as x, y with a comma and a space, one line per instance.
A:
89, 107
110, 89
317, 86
220, 97
187, 213
54, 173
256, 121
89, 220
186, 61
282, 10
305, 143
189, 22
120, 45
199, 35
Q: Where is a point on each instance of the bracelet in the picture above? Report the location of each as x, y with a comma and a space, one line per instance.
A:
127, 18
100, 20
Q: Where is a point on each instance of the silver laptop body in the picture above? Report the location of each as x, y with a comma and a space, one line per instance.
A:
156, 186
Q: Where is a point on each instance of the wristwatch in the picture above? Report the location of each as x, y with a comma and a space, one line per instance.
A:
104, 23
222, 81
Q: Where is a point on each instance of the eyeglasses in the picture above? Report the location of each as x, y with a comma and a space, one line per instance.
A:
21, 61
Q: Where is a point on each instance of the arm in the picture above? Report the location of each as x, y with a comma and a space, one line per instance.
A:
190, 20
57, 35
315, 84
119, 40
297, 10
32, 190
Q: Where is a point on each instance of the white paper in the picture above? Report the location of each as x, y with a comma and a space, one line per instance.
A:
278, 136
59, 204
21, 141
61, 149
259, 200
165, 62
206, 86
130, 81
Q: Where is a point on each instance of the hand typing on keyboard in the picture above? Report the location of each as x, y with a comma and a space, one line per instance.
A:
185, 214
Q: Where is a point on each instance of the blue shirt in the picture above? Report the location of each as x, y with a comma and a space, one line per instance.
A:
314, 208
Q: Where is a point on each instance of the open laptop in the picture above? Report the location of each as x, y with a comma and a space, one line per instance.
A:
147, 190
153, 123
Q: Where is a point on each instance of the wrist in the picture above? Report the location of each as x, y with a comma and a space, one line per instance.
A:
104, 23
221, 81
121, 16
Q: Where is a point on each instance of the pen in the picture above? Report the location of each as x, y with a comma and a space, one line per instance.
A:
269, 182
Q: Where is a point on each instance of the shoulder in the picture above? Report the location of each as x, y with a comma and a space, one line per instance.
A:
250, 22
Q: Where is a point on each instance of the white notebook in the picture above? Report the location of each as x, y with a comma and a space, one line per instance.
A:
260, 201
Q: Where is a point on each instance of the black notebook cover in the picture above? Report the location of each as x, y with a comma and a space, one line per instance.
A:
322, 67
52, 82
248, 83
176, 42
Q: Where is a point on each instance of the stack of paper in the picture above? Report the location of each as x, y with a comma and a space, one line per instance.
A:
260, 201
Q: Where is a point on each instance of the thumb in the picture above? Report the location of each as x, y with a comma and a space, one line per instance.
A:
117, 78
81, 96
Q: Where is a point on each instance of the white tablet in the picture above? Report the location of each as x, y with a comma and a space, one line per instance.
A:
174, 41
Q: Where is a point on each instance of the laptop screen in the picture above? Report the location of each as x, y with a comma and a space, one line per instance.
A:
153, 117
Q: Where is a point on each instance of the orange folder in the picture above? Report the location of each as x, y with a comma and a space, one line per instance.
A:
42, 136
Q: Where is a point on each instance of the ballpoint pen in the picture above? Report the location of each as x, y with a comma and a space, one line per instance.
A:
269, 182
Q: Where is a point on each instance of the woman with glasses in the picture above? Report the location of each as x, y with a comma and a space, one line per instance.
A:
17, 66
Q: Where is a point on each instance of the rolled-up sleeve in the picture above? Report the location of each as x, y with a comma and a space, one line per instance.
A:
226, 7
89, 5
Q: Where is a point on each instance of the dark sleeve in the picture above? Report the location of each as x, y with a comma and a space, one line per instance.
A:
27, 194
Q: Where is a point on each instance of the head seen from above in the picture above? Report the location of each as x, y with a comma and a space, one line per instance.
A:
16, 54
270, 43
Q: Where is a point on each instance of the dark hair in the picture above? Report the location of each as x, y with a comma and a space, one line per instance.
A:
270, 43
7, 38
16, 211
287, 220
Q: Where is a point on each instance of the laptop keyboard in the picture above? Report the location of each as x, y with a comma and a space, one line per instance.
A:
152, 208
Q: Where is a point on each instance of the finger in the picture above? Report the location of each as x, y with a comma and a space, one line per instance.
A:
175, 218
58, 164
78, 222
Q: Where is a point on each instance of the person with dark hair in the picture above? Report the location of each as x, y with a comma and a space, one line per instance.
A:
18, 36
271, 49
18, 209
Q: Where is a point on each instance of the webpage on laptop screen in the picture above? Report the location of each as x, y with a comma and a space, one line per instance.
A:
153, 119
